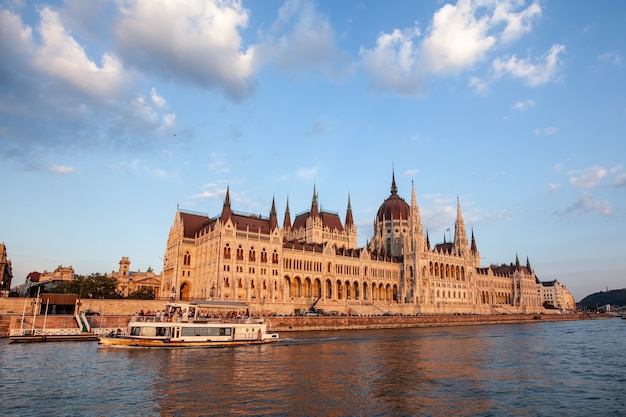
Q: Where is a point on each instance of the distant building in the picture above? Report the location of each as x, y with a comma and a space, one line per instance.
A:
6, 271
130, 281
315, 261
46, 280
556, 294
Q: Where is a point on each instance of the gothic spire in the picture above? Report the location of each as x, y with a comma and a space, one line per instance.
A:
394, 189
314, 208
473, 248
349, 219
273, 219
226, 212
287, 220
460, 234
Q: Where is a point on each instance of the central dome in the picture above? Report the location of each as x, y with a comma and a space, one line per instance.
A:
394, 207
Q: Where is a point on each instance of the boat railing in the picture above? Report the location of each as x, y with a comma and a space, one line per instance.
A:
182, 319
110, 331
45, 332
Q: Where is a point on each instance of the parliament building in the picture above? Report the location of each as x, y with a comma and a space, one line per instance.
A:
313, 263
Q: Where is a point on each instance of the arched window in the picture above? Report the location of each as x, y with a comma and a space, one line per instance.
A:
252, 255
263, 255
275, 257
227, 251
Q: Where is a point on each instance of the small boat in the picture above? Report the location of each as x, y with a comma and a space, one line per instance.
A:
27, 337
40, 335
181, 326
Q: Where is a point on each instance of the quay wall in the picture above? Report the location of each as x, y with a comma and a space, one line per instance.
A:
299, 323
115, 314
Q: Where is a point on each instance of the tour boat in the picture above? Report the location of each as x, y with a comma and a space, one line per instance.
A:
180, 325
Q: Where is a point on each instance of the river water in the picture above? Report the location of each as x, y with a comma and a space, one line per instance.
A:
572, 368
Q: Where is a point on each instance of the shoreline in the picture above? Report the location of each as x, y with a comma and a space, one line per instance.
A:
326, 323
331, 323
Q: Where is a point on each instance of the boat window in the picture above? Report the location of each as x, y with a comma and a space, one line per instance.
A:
161, 331
135, 331
205, 331
148, 331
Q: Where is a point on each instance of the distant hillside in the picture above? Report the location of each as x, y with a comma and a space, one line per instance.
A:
602, 298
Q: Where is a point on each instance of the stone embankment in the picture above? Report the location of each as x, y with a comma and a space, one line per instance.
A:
298, 323
115, 314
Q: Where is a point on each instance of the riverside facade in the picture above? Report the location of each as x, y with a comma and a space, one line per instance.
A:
315, 261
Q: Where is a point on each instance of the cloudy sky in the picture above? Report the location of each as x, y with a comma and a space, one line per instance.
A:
113, 113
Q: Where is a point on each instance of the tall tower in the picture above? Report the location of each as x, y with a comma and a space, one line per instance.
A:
461, 245
391, 224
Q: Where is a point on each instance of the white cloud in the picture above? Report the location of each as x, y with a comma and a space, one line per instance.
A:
62, 169
479, 84
586, 204
392, 64
553, 186
558, 167
411, 172
306, 173
546, 131
157, 100
620, 180
589, 178
611, 57
63, 58
524, 105
218, 163
457, 38
301, 39
517, 24
532, 74
198, 42
169, 119
51, 73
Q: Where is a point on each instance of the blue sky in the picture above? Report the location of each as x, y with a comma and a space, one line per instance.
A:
113, 113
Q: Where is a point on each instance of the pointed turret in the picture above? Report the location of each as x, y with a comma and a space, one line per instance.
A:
287, 219
394, 188
473, 248
517, 264
416, 222
273, 219
226, 211
460, 234
314, 209
530, 270
349, 219
427, 241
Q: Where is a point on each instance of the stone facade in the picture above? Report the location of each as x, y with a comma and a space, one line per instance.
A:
315, 261
130, 281
6, 271
556, 294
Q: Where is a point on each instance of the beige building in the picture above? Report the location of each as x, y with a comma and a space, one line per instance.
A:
6, 271
315, 261
556, 294
61, 273
130, 281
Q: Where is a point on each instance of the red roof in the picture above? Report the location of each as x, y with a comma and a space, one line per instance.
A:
192, 223
329, 220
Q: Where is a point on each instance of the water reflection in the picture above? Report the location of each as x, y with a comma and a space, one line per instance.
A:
529, 369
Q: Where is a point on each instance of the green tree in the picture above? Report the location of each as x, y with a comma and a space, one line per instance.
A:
143, 293
93, 286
